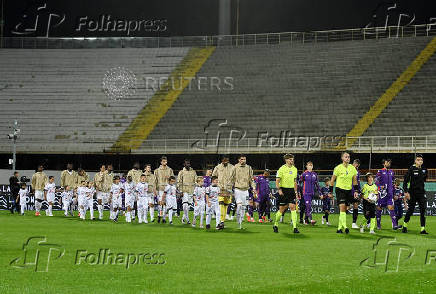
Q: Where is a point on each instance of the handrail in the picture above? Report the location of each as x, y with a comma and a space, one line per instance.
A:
299, 144
220, 40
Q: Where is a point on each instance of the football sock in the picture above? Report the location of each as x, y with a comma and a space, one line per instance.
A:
378, 217
278, 216
294, 218
393, 218
152, 213
355, 214
372, 226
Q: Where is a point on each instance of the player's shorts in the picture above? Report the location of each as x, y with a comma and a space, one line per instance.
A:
355, 200
214, 207
385, 201
82, 201
344, 196
90, 203
287, 197
39, 194
187, 198
150, 198
326, 206
142, 202
129, 200
116, 202
199, 208
50, 197
241, 197
23, 200
368, 209
103, 196
225, 199
171, 202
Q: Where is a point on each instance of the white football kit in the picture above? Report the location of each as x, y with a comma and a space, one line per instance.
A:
51, 191
213, 192
129, 194
143, 201
171, 199
116, 196
199, 204
23, 199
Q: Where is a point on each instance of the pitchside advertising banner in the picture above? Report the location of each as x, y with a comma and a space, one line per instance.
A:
139, 18
316, 203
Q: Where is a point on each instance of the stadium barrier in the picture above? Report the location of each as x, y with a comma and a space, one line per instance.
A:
222, 40
236, 145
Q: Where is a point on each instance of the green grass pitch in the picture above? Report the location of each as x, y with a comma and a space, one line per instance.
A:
192, 260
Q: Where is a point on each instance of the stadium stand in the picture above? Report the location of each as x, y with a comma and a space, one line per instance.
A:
412, 112
57, 95
312, 89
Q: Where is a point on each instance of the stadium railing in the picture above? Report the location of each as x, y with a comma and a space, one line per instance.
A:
297, 144
221, 40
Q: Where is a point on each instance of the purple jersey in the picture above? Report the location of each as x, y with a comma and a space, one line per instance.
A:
262, 186
385, 182
206, 181
309, 182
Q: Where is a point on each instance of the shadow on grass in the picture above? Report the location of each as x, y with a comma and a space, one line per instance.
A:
291, 235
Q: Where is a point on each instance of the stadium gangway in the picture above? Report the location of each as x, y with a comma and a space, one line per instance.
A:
220, 40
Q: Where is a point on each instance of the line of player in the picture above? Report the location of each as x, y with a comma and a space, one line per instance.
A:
213, 193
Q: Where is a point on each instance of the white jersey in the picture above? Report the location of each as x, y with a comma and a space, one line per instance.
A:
50, 188
200, 193
213, 193
142, 189
82, 192
67, 195
23, 196
91, 192
129, 189
171, 190
116, 190
23, 192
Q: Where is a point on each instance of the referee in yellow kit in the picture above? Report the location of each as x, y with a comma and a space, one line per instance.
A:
286, 183
345, 175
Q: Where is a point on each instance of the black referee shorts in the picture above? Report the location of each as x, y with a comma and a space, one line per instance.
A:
344, 196
287, 197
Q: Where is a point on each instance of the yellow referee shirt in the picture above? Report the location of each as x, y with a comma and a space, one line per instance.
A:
287, 176
344, 176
